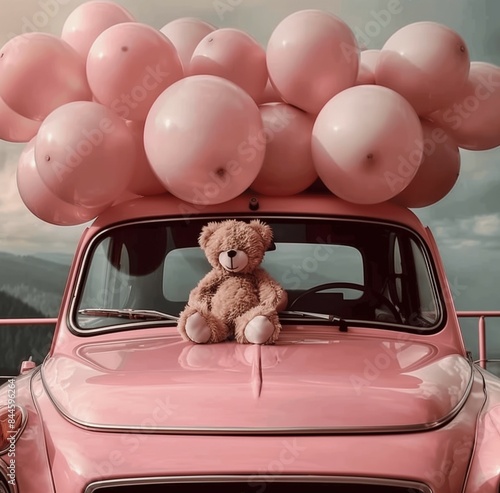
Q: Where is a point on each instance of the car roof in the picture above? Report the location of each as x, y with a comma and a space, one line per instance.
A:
253, 205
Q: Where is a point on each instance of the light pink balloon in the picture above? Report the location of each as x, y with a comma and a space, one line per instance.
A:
144, 181
40, 72
438, 172
85, 154
129, 66
234, 55
288, 167
201, 138
367, 64
426, 62
367, 144
89, 20
185, 34
311, 56
41, 201
14, 127
473, 118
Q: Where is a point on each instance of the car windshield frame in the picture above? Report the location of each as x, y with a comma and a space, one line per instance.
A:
138, 323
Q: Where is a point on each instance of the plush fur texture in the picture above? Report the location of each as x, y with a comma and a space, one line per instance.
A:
237, 297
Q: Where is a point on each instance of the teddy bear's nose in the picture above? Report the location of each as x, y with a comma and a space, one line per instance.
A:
231, 253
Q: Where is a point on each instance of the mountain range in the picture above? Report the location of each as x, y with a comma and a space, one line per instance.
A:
30, 287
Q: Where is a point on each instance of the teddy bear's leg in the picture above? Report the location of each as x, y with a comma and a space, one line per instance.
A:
201, 328
254, 327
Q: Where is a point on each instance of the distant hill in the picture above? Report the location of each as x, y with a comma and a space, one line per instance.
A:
21, 342
37, 282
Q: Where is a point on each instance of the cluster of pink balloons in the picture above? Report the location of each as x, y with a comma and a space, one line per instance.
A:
113, 107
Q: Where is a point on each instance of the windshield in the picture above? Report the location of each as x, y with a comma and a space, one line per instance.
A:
370, 274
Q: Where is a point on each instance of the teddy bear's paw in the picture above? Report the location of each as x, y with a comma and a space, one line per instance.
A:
197, 329
259, 330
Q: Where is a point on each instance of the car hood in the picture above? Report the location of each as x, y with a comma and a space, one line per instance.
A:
325, 383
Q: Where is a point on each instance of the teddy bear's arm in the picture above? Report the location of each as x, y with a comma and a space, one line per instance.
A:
270, 292
202, 294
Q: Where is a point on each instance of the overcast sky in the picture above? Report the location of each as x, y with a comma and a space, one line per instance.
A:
466, 223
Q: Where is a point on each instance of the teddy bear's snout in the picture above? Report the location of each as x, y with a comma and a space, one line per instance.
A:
233, 260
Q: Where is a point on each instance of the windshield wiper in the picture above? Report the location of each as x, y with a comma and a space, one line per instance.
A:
129, 313
319, 316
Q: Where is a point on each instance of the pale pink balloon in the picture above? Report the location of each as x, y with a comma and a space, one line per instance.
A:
426, 62
41, 201
367, 144
40, 72
312, 56
85, 154
234, 55
14, 127
129, 66
438, 172
367, 64
89, 20
288, 168
185, 33
201, 139
144, 181
473, 118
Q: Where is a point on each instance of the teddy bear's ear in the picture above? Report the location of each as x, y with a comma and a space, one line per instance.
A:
206, 233
264, 231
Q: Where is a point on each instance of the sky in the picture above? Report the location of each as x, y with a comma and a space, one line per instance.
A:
466, 223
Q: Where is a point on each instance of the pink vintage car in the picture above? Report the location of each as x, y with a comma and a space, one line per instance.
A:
369, 388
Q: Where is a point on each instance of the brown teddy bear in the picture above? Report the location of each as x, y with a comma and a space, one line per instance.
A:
237, 296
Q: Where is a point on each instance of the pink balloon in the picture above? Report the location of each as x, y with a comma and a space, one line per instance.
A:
85, 154
144, 182
473, 118
426, 62
438, 172
311, 57
234, 55
185, 34
129, 66
367, 64
201, 138
40, 200
89, 20
40, 72
367, 144
288, 167
14, 127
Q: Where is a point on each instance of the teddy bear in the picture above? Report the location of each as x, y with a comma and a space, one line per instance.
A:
237, 298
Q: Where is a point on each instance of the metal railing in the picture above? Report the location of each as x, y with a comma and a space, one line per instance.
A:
480, 315
481, 330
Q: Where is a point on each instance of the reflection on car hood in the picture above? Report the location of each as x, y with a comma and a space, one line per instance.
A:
327, 383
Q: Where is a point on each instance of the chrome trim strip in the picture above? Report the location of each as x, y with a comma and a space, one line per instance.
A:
410, 485
4, 472
346, 430
24, 421
431, 269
